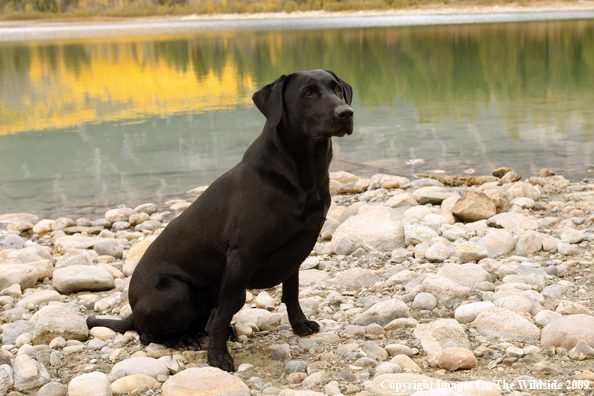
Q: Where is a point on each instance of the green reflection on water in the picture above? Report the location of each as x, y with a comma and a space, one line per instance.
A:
119, 120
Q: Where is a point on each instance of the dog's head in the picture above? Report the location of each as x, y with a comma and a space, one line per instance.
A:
315, 103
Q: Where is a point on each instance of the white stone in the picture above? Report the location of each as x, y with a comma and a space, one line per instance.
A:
95, 384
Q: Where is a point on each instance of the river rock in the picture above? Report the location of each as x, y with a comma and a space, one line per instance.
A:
150, 208
345, 247
572, 236
23, 274
568, 331
5, 378
250, 315
95, 384
567, 249
119, 214
468, 312
474, 206
312, 277
62, 322
468, 275
132, 382
554, 291
30, 254
468, 252
44, 268
81, 277
581, 351
515, 303
11, 241
376, 229
566, 307
400, 200
28, 373
264, 300
62, 222
40, 297
66, 243
109, 247
521, 189
53, 389
514, 222
142, 365
453, 359
382, 313
138, 250
356, 278
545, 317
207, 381
435, 334
530, 242
43, 226
79, 259
433, 195
415, 233
437, 253
498, 243
499, 322
402, 384
448, 292
424, 301
13, 330
16, 217
315, 380
524, 202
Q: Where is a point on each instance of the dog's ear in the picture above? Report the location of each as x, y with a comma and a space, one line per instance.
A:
269, 100
346, 88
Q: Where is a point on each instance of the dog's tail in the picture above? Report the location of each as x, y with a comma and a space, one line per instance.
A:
119, 325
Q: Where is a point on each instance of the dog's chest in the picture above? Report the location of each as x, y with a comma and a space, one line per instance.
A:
313, 212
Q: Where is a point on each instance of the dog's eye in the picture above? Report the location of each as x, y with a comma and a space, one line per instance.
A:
308, 93
337, 89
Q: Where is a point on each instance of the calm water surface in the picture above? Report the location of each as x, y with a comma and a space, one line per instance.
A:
89, 124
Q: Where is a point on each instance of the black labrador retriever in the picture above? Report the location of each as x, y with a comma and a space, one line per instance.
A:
252, 228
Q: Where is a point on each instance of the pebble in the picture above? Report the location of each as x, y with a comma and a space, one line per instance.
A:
53, 389
424, 301
207, 381
452, 359
82, 278
500, 322
109, 247
62, 322
382, 313
95, 384
28, 373
474, 206
23, 274
567, 331
131, 382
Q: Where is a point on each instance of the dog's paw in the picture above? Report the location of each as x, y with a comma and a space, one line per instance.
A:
232, 334
306, 327
191, 342
224, 361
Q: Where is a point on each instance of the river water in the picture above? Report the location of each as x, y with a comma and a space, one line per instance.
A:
90, 121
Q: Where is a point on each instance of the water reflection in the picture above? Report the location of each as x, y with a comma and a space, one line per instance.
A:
117, 120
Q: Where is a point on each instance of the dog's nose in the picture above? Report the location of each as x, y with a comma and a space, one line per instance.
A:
344, 112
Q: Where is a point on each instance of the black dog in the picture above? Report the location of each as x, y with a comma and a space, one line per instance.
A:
252, 228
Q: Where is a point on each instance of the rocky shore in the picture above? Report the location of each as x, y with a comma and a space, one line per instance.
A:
483, 288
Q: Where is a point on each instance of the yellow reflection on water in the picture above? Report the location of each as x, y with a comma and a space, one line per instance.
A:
108, 81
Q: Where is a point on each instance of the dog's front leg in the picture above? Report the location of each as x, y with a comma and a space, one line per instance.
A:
230, 300
301, 325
